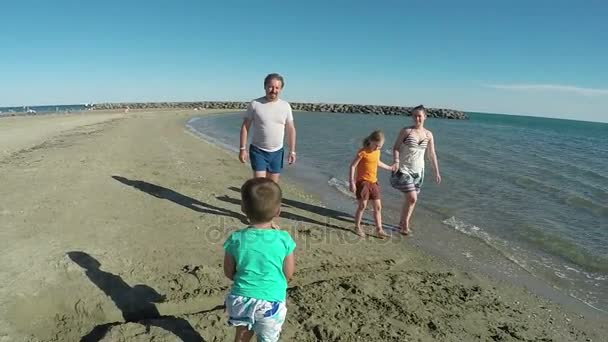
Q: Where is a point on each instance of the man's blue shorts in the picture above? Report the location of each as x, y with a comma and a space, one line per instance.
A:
271, 162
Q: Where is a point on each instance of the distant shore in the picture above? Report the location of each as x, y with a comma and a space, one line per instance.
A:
298, 106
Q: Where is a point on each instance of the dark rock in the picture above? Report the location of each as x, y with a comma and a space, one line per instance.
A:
297, 106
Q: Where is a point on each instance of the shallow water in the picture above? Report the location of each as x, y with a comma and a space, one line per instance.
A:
533, 190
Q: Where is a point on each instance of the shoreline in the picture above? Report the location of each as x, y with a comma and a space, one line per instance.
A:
489, 260
151, 205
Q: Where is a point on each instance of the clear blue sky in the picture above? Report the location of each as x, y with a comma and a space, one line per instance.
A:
541, 57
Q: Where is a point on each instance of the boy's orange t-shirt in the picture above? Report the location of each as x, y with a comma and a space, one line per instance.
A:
367, 169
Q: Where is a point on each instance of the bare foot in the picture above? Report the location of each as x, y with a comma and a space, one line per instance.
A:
382, 233
405, 232
274, 225
360, 232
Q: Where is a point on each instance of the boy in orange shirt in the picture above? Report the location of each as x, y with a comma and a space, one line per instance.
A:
363, 179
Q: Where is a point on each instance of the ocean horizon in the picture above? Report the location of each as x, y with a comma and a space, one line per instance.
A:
49, 108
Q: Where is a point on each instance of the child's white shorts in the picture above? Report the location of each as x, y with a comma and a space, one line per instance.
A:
263, 317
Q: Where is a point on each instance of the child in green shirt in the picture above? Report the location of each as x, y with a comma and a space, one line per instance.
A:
259, 260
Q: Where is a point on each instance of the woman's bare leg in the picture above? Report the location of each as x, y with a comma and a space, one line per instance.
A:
408, 209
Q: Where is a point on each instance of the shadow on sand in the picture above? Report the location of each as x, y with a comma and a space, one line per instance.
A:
327, 213
136, 303
177, 198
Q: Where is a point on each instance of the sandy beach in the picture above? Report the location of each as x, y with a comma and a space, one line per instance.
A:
111, 229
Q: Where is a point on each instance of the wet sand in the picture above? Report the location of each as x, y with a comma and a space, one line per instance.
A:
111, 229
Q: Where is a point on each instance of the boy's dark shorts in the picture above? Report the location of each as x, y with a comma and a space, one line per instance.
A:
271, 162
367, 191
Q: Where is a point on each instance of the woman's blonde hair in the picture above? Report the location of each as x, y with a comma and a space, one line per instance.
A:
375, 136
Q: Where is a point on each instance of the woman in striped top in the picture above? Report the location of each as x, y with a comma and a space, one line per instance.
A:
408, 152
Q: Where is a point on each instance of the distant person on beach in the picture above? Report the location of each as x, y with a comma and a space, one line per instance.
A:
270, 117
363, 180
408, 152
259, 260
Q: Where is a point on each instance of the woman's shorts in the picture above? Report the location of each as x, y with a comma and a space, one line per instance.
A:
407, 181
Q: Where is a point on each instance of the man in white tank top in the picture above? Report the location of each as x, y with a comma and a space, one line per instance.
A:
270, 117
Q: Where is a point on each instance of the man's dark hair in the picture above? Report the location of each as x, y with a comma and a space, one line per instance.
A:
274, 76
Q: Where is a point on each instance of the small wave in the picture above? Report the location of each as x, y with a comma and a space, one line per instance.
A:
563, 247
193, 120
574, 181
572, 167
571, 269
596, 277
586, 204
496, 243
341, 186
530, 183
467, 163
466, 228
568, 197
586, 302
564, 273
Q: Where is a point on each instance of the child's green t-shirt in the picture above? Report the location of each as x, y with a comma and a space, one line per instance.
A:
259, 254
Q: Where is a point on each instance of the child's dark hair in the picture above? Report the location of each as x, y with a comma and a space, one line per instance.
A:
375, 136
261, 199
